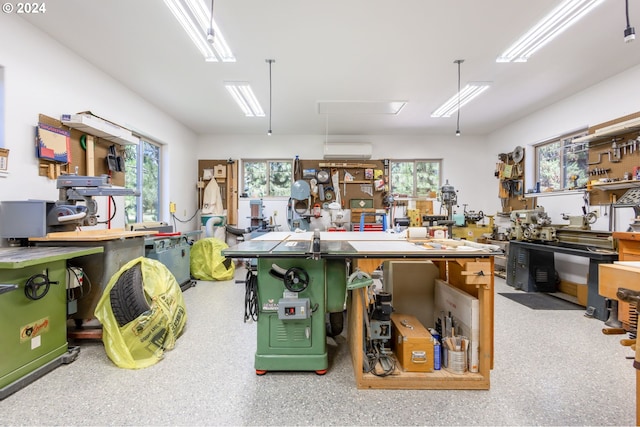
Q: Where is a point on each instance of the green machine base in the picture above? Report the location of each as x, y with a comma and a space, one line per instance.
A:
33, 313
286, 339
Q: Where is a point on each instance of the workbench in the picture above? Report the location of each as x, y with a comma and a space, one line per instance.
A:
531, 268
625, 274
33, 312
468, 268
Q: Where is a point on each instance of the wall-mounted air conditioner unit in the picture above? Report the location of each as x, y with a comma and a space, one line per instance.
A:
347, 150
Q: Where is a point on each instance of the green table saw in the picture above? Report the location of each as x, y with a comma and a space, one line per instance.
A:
33, 313
301, 277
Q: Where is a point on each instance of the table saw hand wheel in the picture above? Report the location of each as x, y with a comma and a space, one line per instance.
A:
37, 286
296, 279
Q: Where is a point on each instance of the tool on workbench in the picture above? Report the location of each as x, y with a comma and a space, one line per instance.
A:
37, 218
378, 358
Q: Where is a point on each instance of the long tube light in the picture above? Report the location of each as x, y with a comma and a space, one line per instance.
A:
194, 17
467, 93
245, 98
552, 25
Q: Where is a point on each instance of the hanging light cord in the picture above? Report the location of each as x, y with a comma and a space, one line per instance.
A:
270, 100
210, 33
270, 61
458, 61
458, 120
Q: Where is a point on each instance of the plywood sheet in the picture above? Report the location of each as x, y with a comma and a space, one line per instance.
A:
91, 235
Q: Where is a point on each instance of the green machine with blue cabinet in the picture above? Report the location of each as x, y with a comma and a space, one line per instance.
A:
33, 313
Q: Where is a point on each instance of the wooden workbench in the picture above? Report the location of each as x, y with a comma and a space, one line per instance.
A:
91, 235
468, 268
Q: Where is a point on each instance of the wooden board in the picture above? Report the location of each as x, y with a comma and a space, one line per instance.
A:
91, 235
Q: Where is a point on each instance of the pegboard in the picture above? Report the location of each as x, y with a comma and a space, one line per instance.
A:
78, 156
619, 163
511, 183
364, 188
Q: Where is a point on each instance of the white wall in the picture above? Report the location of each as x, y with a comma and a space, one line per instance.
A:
467, 163
607, 100
43, 77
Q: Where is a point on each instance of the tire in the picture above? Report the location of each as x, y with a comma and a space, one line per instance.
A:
336, 324
128, 300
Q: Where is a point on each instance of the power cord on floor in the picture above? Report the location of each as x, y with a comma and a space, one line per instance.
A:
251, 297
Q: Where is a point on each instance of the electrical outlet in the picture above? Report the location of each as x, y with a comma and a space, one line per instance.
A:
172, 207
275, 213
185, 212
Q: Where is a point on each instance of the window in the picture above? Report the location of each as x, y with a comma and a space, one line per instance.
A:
142, 173
267, 178
562, 164
415, 178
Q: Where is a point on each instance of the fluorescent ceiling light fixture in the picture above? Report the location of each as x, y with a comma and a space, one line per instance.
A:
360, 107
245, 98
467, 93
558, 20
195, 18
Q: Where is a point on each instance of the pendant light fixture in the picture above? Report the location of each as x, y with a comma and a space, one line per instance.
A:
270, 62
629, 32
458, 61
210, 32
197, 21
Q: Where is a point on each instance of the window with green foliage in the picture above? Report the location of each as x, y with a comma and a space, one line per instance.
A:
562, 164
267, 178
415, 178
142, 173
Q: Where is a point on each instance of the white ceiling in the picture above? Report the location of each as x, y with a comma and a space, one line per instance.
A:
345, 50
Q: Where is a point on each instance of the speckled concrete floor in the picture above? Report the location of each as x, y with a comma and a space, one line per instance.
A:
551, 368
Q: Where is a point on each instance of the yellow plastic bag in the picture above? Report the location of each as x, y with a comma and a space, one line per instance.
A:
142, 313
207, 261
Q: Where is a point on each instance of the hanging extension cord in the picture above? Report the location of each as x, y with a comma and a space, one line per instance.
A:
251, 297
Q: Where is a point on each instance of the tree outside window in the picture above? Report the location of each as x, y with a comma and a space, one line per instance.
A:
415, 178
142, 173
267, 178
562, 164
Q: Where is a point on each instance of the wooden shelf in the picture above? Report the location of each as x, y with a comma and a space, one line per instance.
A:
555, 193
616, 185
456, 271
